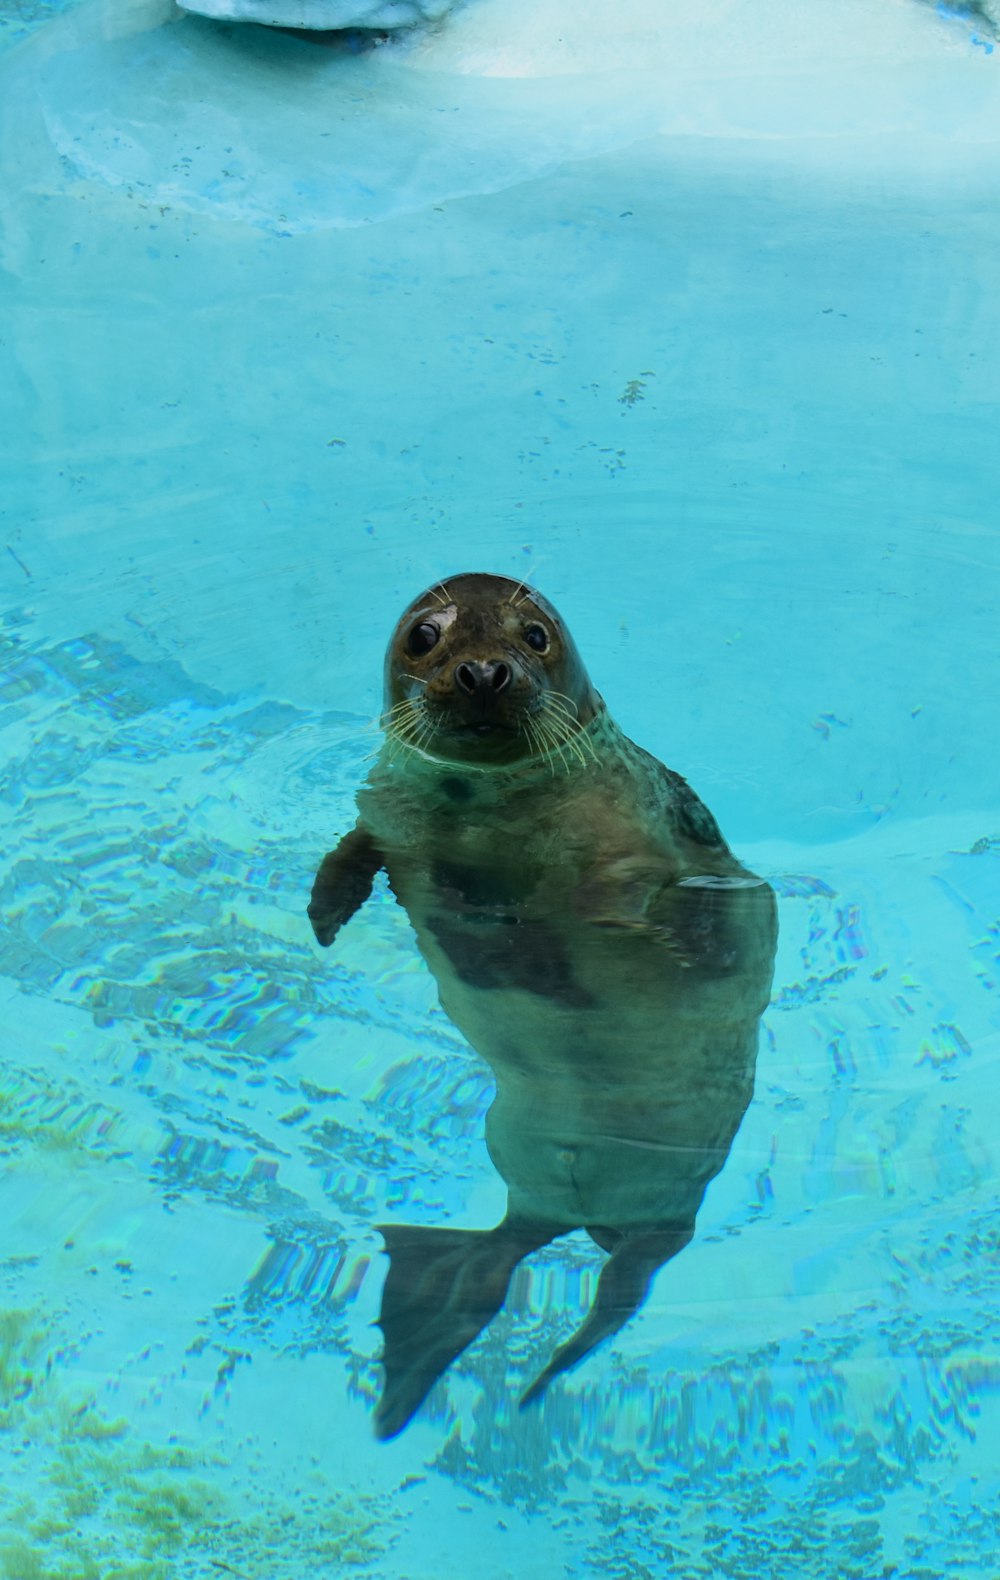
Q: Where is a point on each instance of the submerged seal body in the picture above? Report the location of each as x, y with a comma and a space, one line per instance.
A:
592, 936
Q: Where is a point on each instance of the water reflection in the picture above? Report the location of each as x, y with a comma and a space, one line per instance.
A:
593, 938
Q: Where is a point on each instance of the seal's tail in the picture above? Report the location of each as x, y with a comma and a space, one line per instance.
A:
621, 1290
442, 1288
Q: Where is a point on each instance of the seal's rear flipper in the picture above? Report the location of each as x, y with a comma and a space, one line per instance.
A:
343, 883
442, 1288
621, 1290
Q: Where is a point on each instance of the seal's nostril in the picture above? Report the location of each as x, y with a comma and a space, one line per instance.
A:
474, 678
467, 678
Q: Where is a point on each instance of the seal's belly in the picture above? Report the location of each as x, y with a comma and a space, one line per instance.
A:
616, 1008
555, 996
620, 1085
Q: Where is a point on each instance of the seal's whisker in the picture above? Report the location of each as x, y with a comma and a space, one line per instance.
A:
408, 729
571, 741
551, 739
537, 745
529, 592
586, 745
404, 722
574, 729
402, 718
533, 729
560, 696
407, 705
574, 737
570, 730
559, 710
404, 742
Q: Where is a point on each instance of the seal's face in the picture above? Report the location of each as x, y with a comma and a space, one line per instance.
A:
481, 669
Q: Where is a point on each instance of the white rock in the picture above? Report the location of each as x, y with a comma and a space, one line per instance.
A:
323, 15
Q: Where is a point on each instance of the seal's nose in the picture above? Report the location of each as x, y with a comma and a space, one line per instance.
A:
480, 679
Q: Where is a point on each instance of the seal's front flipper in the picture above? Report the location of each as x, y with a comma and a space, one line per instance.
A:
717, 922
621, 1290
618, 893
442, 1288
625, 896
343, 883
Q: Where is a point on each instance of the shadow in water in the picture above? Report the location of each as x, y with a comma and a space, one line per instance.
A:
591, 935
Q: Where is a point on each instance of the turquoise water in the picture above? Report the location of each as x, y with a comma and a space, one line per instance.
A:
697, 328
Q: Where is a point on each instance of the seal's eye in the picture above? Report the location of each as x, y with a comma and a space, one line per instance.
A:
537, 637
421, 639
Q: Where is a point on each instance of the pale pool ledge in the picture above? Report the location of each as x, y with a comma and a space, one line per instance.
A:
386, 16
138, 97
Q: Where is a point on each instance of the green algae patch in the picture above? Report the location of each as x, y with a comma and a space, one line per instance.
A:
39, 1117
20, 1562
21, 1338
321, 1536
165, 1514
82, 1497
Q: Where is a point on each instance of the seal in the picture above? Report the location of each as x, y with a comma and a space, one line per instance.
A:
591, 935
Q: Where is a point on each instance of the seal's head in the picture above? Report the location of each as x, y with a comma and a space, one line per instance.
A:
481, 669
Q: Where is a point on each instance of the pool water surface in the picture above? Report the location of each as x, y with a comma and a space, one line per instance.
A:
692, 323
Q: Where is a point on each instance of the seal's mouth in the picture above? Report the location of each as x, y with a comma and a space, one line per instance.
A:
491, 738
486, 727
